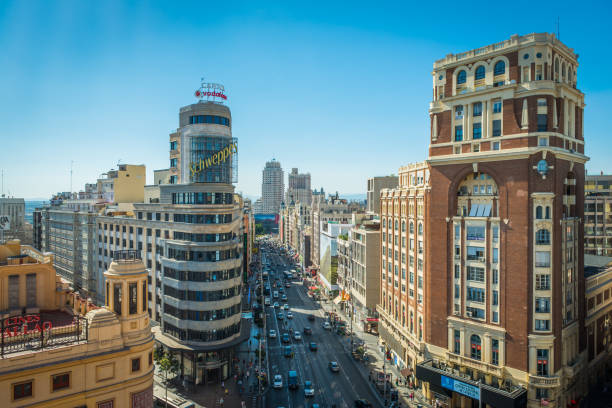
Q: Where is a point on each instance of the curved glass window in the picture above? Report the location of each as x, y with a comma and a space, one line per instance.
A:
203, 256
196, 276
480, 73
187, 236
203, 218
211, 119
500, 68
461, 77
197, 335
201, 295
202, 198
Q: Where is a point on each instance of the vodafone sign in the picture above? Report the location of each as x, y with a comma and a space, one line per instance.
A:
211, 92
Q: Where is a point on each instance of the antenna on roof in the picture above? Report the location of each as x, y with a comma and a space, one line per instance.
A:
558, 29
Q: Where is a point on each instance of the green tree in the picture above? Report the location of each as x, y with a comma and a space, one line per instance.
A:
259, 230
166, 363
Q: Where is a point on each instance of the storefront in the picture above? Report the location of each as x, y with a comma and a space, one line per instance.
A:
452, 389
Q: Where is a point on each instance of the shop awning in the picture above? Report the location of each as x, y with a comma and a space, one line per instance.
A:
372, 319
312, 288
338, 299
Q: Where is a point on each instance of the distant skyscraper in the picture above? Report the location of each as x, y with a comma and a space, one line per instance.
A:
272, 187
298, 188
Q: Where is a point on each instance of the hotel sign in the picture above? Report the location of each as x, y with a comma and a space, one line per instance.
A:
214, 159
460, 387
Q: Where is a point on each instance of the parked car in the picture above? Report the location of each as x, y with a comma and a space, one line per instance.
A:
334, 367
278, 381
272, 334
313, 346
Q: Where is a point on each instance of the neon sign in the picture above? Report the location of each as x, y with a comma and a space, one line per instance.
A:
215, 159
15, 326
211, 91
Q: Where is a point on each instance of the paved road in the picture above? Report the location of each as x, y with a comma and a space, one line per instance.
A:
340, 388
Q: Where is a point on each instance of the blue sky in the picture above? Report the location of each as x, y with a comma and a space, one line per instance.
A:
338, 89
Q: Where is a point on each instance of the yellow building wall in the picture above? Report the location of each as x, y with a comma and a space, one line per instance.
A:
129, 184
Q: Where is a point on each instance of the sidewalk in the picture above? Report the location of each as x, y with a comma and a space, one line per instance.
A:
376, 360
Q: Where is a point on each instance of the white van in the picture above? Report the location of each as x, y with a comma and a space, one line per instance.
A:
275, 294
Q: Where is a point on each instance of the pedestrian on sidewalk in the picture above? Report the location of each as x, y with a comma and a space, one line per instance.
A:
221, 402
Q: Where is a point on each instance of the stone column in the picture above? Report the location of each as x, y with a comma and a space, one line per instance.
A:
533, 358
484, 120
467, 120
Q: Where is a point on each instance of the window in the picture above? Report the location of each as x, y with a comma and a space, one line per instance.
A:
497, 127
458, 133
13, 292
494, 352
541, 393
457, 271
22, 390
475, 253
500, 68
135, 364
144, 296
495, 317
495, 298
542, 363
475, 233
542, 141
542, 259
480, 73
457, 342
542, 282
495, 146
543, 237
31, 290
542, 305
461, 77
495, 257
477, 133
475, 313
403, 226
117, 298
475, 294
547, 213
475, 347
495, 278
478, 109
494, 232
411, 227
457, 291
61, 381
133, 288
542, 325
420, 229
539, 212
497, 106
542, 122
150, 359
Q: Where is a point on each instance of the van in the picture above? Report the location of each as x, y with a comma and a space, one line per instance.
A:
275, 294
267, 301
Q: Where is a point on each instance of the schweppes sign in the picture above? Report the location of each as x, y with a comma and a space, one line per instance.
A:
215, 159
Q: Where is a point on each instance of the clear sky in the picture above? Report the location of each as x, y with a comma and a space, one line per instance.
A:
337, 89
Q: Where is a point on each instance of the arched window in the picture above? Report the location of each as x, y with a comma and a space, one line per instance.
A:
556, 70
420, 228
500, 68
420, 328
563, 72
411, 322
384, 223
403, 226
475, 347
403, 316
480, 73
543, 237
461, 77
548, 212
396, 225
539, 212
411, 227
570, 75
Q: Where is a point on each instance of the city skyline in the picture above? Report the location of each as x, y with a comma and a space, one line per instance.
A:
104, 90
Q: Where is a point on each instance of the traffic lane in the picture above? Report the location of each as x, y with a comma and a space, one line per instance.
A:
277, 397
353, 384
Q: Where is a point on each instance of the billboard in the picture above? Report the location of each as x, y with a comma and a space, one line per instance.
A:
5, 223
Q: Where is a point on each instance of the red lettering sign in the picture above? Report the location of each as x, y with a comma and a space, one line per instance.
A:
15, 326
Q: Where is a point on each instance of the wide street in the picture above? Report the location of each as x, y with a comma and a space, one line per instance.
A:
340, 388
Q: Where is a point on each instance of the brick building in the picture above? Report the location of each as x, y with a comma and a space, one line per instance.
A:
497, 232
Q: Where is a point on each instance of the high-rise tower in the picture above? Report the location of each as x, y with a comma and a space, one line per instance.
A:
272, 187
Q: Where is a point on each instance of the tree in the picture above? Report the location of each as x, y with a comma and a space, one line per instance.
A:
259, 230
167, 363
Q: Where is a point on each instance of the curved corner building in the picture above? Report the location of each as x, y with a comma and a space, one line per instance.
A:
201, 284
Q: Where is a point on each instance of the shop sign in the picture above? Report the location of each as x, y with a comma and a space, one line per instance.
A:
460, 387
211, 90
18, 325
215, 159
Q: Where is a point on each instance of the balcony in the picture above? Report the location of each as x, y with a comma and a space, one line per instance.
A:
545, 381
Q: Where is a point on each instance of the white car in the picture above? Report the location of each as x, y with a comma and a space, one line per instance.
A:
286, 306
308, 389
297, 335
289, 315
278, 381
326, 326
272, 334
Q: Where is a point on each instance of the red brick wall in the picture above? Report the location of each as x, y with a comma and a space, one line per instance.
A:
448, 88
509, 121
514, 68
578, 116
440, 151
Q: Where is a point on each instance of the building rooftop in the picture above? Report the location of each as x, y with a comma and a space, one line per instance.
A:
595, 264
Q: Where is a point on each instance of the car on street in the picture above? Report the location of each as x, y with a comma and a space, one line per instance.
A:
326, 326
315, 406
308, 389
311, 317
284, 298
287, 352
289, 315
286, 306
334, 367
307, 330
280, 316
287, 285
276, 305
362, 403
278, 381
297, 335
312, 346
286, 338
272, 334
